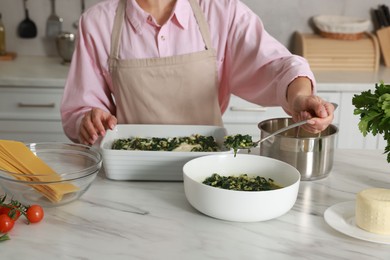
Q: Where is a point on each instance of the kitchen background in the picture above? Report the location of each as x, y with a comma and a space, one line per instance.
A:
31, 86
281, 18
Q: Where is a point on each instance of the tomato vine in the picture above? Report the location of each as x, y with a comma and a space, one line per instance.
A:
11, 210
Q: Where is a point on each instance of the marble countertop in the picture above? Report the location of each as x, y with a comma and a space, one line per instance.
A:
351, 81
153, 220
34, 71
40, 71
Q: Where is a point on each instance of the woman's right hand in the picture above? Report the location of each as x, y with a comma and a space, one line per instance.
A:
94, 124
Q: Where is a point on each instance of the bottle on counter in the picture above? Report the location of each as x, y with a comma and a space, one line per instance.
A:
2, 37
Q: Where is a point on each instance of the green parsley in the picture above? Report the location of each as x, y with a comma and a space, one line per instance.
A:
374, 111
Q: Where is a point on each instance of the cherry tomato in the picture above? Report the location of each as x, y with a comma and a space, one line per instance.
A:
3, 210
6, 223
34, 213
14, 214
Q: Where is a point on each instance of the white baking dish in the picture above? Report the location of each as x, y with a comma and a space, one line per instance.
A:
153, 165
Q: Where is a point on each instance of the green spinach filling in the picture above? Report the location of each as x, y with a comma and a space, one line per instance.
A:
238, 141
193, 143
242, 182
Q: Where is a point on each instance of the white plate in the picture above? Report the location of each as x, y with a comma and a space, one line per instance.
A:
342, 218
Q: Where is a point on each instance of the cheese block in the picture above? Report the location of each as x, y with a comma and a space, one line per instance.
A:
372, 211
23, 164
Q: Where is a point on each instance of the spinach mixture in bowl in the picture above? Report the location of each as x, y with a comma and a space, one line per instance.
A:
243, 182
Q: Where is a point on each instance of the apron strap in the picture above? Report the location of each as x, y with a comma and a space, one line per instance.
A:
203, 26
117, 30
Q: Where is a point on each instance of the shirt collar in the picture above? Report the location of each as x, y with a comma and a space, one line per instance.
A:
182, 12
138, 17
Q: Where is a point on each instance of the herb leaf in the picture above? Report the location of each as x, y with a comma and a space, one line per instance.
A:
4, 237
374, 111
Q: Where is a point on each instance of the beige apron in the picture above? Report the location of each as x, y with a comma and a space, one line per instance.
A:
180, 89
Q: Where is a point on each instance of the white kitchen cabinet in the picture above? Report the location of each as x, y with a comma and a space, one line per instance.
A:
31, 114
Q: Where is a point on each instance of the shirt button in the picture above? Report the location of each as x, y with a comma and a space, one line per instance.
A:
162, 37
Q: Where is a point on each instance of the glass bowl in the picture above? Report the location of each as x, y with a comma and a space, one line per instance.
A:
76, 165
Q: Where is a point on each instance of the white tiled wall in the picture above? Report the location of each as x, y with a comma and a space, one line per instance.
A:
281, 17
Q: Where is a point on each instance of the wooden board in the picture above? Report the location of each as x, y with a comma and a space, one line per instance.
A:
384, 42
334, 54
8, 56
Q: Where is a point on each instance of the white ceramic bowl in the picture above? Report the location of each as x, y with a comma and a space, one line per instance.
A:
241, 206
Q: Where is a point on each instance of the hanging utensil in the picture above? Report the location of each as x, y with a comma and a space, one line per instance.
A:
76, 23
53, 23
27, 28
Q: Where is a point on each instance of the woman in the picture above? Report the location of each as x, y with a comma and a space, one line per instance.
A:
177, 62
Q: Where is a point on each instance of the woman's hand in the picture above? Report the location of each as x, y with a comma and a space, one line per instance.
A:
319, 112
303, 105
94, 124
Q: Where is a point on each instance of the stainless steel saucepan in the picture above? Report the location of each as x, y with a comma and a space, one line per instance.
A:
312, 154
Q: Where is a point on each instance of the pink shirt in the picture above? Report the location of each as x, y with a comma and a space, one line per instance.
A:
251, 64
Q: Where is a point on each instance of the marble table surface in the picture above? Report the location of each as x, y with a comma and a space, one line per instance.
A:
153, 220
